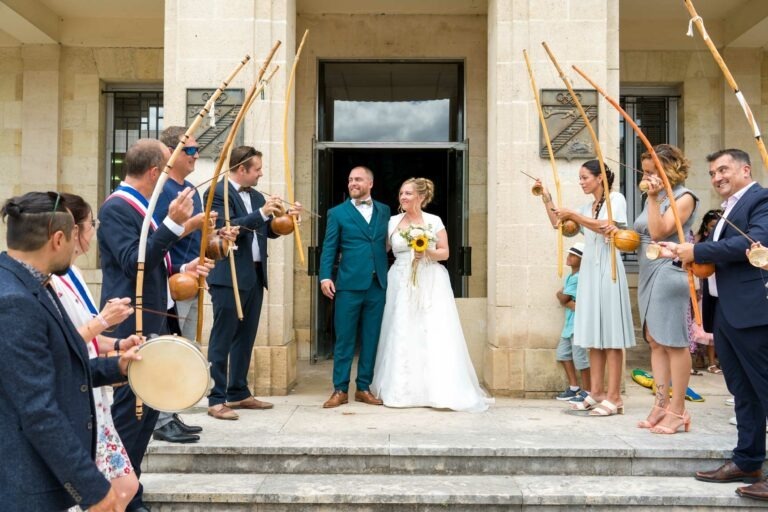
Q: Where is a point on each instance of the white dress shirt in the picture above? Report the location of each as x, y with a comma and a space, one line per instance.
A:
366, 210
727, 206
246, 197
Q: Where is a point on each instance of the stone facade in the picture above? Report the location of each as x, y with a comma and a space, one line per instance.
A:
52, 131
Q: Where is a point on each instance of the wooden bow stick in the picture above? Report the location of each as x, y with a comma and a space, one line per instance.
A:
223, 162
141, 257
696, 20
286, 159
598, 152
552, 162
664, 179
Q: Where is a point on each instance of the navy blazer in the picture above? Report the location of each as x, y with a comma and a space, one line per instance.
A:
119, 234
740, 286
239, 216
361, 247
47, 426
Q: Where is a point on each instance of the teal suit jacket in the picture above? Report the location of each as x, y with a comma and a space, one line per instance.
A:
362, 247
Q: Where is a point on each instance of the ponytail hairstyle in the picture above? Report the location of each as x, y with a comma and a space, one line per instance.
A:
593, 166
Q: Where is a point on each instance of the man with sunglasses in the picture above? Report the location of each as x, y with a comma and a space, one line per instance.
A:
170, 427
47, 436
121, 216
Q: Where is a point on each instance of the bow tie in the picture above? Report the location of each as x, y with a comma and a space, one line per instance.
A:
360, 202
245, 189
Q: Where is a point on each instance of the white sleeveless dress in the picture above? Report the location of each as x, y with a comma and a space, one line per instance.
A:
422, 358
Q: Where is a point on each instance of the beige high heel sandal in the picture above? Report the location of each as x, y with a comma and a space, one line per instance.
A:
646, 423
685, 423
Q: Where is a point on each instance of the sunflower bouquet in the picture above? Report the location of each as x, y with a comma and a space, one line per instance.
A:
418, 237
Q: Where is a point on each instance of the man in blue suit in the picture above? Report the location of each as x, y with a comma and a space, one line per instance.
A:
121, 216
741, 313
357, 234
231, 343
47, 435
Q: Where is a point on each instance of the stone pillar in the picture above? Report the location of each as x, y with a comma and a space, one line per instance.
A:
41, 113
524, 319
203, 42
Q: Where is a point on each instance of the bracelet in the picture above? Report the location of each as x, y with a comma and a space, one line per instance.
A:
102, 321
117, 344
183, 268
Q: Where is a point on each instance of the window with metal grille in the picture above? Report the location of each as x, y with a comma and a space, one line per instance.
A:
654, 109
132, 114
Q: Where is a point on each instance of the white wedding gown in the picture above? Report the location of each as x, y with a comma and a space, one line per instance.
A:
422, 358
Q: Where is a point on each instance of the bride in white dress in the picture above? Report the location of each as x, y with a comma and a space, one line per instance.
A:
422, 358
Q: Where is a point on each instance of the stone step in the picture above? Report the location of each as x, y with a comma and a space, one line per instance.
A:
490, 493
634, 453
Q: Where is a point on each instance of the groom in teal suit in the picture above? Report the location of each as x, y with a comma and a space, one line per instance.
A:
356, 235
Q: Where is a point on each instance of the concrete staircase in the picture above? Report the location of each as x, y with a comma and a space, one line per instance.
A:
520, 455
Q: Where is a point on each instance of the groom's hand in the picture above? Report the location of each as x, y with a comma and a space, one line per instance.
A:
328, 289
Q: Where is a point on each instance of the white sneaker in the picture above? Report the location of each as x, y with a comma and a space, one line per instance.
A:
730, 401
732, 421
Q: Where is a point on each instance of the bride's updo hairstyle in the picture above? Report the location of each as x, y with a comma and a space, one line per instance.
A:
423, 187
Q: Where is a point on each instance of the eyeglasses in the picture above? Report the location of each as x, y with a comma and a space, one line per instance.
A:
93, 222
188, 150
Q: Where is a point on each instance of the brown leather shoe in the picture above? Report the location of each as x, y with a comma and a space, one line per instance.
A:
222, 412
756, 491
250, 403
729, 472
367, 398
337, 398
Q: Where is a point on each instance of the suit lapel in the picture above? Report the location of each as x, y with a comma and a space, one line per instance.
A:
734, 213
359, 220
235, 199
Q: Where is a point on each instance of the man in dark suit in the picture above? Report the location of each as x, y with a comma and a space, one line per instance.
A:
356, 232
231, 343
121, 216
47, 435
741, 313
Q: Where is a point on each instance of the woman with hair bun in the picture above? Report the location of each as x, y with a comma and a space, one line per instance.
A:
603, 321
422, 358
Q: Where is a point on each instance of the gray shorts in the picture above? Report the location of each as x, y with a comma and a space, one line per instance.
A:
567, 351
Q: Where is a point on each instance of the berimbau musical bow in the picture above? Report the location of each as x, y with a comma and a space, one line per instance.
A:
141, 257
286, 159
664, 179
598, 152
223, 162
696, 20
552, 162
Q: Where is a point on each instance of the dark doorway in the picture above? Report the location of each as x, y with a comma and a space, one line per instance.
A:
391, 167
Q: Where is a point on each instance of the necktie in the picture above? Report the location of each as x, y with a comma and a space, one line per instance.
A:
364, 201
245, 189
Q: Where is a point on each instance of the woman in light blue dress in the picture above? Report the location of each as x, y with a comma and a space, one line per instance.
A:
603, 320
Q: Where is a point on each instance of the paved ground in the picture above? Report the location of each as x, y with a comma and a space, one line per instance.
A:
302, 412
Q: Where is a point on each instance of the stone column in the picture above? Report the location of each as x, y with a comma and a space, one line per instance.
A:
203, 42
524, 319
41, 113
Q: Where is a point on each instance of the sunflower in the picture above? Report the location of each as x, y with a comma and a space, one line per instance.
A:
420, 243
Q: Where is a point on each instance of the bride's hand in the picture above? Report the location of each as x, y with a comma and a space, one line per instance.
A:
418, 255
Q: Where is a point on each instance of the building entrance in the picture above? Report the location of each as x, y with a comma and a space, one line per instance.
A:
401, 119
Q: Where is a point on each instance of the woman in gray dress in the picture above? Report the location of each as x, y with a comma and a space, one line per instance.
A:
662, 293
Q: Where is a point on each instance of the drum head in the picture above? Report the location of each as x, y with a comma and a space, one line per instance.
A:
172, 376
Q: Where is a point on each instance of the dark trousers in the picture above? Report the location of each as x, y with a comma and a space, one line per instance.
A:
743, 355
232, 341
357, 312
134, 433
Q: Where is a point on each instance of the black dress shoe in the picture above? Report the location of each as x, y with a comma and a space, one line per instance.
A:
172, 433
187, 429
